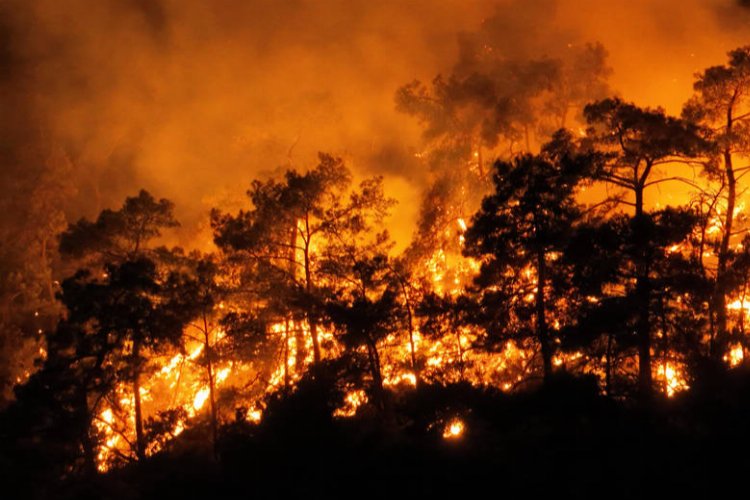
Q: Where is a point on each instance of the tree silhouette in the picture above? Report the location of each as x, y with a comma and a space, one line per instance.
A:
606, 315
520, 230
197, 293
125, 299
721, 104
494, 99
295, 227
121, 234
129, 307
366, 313
635, 143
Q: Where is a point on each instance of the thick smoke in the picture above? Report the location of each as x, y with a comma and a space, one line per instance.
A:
193, 99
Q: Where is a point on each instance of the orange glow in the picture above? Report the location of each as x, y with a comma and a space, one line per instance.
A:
352, 401
735, 356
672, 378
454, 429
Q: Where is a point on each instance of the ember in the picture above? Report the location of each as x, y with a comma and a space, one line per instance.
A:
454, 429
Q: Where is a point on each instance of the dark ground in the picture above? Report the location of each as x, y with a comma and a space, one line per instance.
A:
564, 441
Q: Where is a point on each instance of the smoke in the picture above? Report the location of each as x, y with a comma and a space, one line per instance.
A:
193, 99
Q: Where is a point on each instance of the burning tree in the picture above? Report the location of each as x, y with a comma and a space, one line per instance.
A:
365, 315
518, 234
607, 308
493, 101
296, 238
635, 142
721, 104
496, 101
125, 297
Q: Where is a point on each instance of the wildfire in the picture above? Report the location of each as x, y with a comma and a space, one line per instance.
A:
181, 381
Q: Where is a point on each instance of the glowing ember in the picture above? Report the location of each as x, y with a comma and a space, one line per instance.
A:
454, 429
735, 356
254, 415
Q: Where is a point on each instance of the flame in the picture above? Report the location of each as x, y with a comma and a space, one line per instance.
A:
181, 382
454, 429
735, 356
672, 377
352, 401
223, 374
254, 415
200, 398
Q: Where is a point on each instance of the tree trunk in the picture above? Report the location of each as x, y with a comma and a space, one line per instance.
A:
412, 346
410, 326
643, 299
721, 342
460, 349
311, 316
665, 347
286, 356
541, 320
211, 385
608, 367
375, 372
299, 340
89, 453
314, 334
140, 440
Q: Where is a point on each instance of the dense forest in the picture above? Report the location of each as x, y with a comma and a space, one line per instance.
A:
570, 314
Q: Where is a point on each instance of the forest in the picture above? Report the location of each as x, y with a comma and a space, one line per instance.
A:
569, 315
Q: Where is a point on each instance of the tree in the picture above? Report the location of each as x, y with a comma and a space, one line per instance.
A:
721, 104
366, 313
295, 227
109, 323
635, 142
403, 281
606, 306
125, 300
35, 194
130, 308
196, 292
520, 230
492, 99
122, 234
497, 100
59, 403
